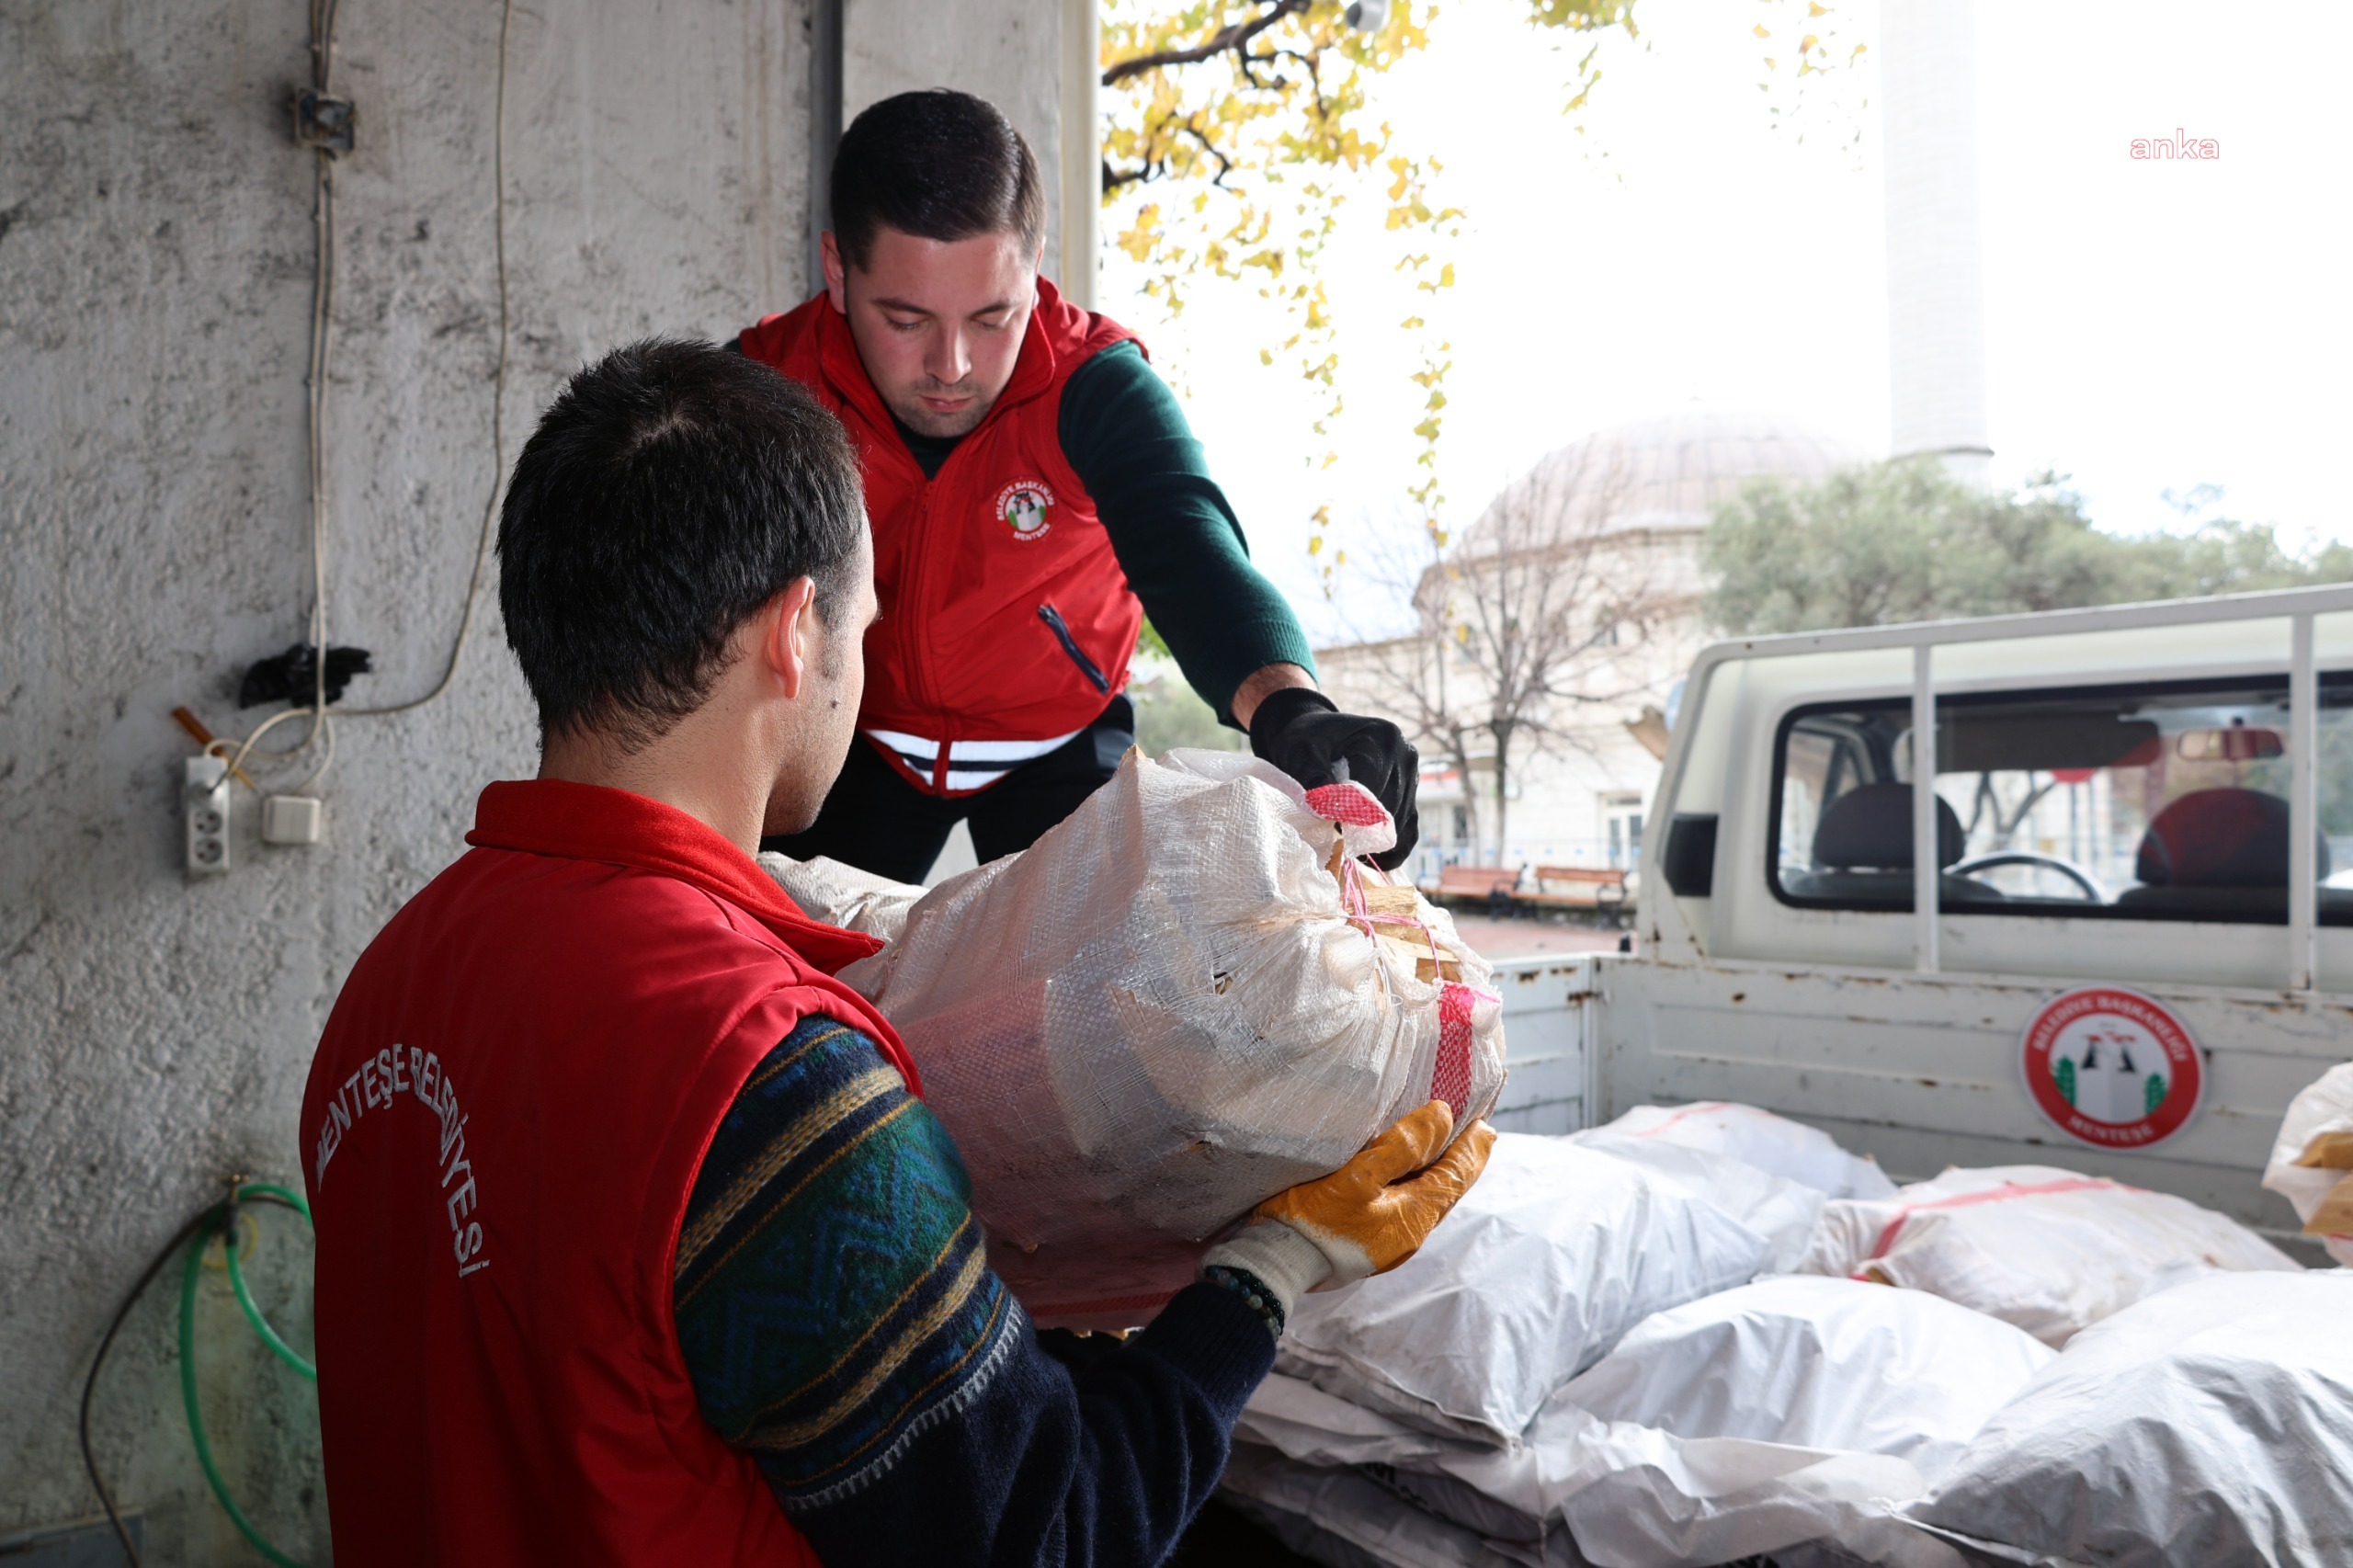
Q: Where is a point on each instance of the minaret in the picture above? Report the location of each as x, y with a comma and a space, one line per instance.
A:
1935, 305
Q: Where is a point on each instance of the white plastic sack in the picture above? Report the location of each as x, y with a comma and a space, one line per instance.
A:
1347, 1518
1787, 1149
1616, 1494
1786, 1213
2050, 1251
2210, 1424
1816, 1363
2311, 1163
842, 895
1555, 1254
1158, 1016
1745, 1421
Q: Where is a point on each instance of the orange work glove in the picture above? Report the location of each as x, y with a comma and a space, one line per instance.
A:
1374, 1212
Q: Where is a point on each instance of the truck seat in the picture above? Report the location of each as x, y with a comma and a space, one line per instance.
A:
2221, 851
1862, 852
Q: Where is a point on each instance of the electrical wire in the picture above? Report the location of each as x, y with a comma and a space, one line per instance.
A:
245, 748
322, 19
498, 397
321, 326
326, 761
215, 1214
90, 1384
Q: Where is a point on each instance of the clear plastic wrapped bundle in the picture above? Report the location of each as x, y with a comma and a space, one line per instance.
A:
1182, 999
842, 895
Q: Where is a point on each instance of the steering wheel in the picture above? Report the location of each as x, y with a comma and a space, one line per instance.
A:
2067, 869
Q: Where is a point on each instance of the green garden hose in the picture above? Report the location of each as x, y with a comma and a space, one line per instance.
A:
220, 1221
269, 1336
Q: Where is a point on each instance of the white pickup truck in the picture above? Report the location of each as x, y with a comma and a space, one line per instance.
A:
2056, 889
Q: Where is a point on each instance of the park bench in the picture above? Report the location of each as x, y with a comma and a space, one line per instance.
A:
1494, 886
1599, 887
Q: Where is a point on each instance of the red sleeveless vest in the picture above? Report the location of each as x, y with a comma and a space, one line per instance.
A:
1006, 617
503, 1124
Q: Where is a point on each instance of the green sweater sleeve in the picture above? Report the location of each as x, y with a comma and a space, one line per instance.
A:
1174, 533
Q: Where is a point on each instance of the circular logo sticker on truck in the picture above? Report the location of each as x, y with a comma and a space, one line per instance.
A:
2112, 1068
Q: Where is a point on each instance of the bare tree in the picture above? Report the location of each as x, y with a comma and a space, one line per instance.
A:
1528, 623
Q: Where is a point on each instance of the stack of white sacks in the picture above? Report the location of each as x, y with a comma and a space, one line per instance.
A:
1673, 1341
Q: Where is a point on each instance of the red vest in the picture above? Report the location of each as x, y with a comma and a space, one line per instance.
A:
969, 565
503, 1124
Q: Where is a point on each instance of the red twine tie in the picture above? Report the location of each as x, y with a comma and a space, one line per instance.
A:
1451, 1073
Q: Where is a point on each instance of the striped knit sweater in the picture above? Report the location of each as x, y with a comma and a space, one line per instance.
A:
841, 1325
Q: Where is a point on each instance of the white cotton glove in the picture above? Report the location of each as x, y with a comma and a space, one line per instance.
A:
1278, 1257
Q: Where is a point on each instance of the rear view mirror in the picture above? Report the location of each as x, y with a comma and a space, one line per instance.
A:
2240, 742
2000, 743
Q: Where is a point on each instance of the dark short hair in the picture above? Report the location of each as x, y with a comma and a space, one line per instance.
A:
939, 164
671, 490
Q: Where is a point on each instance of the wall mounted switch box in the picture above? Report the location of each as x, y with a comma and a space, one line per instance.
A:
292, 818
204, 809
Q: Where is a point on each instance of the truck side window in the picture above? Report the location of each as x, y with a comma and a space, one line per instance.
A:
2150, 801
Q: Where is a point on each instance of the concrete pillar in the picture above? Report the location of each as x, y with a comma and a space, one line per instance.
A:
1008, 52
1082, 154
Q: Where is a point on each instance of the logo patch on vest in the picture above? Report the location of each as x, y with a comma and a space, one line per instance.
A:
1026, 506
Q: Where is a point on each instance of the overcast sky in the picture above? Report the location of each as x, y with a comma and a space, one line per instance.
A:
2149, 325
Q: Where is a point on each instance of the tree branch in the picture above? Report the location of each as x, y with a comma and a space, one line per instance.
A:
1236, 37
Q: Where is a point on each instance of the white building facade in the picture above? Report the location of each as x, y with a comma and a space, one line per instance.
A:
1601, 542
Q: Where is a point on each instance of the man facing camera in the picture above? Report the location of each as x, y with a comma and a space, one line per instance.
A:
636, 1241
1035, 491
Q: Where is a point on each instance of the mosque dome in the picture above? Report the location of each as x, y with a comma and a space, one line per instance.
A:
1667, 473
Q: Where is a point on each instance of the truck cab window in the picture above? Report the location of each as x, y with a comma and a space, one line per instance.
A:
2142, 802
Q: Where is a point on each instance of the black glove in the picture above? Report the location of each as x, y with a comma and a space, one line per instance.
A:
1300, 731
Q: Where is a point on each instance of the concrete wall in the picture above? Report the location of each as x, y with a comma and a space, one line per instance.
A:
155, 257
1008, 52
155, 263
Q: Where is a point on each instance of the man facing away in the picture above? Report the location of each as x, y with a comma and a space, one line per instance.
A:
637, 1242
1035, 490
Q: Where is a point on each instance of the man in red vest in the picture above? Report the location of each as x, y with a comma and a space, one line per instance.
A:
1034, 490
636, 1242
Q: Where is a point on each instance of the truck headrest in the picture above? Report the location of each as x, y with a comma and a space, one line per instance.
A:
1872, 825
2218, 838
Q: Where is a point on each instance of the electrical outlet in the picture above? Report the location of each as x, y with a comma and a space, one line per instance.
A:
292, 818
205, 810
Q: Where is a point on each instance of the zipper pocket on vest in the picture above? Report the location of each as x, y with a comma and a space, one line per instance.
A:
1086, 667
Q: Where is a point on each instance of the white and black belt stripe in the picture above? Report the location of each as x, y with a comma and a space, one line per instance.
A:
971, 765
